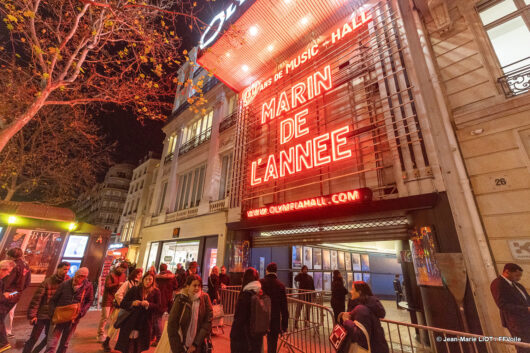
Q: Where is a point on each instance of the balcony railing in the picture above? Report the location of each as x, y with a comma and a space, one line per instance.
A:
195, 141
517, 81
228, 122
169, 158
135, 241
117, 186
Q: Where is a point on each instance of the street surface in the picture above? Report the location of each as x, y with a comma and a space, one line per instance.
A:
84, 340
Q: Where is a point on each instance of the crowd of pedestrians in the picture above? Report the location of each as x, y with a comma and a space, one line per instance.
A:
134, 307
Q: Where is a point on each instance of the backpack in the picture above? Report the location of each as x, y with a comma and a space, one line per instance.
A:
260, 314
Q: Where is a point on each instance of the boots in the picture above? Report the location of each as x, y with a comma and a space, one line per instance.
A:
106, 345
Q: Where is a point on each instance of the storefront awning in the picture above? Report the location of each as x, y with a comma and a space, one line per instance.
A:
269, 33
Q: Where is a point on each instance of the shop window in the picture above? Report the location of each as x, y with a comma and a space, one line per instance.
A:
190, 188
153, 252
174, 253
226, 174
41, 250
507, 24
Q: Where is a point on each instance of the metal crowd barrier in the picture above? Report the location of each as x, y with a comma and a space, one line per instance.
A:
310, 325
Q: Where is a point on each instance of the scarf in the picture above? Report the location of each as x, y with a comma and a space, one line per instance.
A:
254, 286
192, 328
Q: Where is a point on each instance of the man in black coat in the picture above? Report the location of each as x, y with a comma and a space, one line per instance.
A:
306, 284
73, 291
275, 289
513, 302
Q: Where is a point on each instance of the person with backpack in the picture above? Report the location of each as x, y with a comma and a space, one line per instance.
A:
275, 289
251, 317
18, 280
132, 281
362, 321
338, 294
190, 322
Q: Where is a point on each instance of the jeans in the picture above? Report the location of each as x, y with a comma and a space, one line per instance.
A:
59, 335
105, 313
9, 320
39, 326
3, 335
111, 331
157, 326
272, 342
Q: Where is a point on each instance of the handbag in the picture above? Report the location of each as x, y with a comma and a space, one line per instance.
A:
123, 315
67, 313
354, 346
338, 336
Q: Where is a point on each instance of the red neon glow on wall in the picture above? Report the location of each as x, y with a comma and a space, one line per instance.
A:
338, 198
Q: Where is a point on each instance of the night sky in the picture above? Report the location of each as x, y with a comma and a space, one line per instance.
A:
135, 139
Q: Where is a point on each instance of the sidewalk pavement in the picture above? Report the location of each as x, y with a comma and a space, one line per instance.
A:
84, 340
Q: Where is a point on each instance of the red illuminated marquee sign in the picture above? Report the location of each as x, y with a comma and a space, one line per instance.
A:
313, 152
338, 198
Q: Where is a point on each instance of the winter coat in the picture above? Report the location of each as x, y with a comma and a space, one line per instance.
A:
214, 285
39, 307
18, 280
224, 279
305, 282
140, 319
124, 288
241, 340
367, 314
275, 289
167, 284
66, 295
338, 296
5, 304
181, 278
112, 284
180, 318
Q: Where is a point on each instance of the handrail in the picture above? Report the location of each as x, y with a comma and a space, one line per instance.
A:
195, 141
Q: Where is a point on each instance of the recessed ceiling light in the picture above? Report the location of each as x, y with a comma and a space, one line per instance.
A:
270, 47
304, 20
253, 30
244, 68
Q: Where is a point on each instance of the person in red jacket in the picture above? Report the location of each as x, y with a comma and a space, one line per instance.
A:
112, 284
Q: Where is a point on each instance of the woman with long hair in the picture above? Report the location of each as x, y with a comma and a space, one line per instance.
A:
214, 285
338, 294
363, 319
190, 322
132, 281
142, 301
241, 340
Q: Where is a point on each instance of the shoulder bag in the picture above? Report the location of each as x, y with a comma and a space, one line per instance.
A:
354, 346
338, 338
67, 313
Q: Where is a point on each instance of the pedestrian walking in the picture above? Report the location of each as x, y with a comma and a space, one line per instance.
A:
17, 281
141, 302
113, 281
306, 284
362, 320
77, 290
180, 274
39, 315
167, 284
398, 290
338, 294
6, 267
513, 302
214, 285
242, 339
275, 289
189, 326
132, 280
224, 278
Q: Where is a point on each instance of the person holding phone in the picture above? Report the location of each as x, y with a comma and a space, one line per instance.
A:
6, 266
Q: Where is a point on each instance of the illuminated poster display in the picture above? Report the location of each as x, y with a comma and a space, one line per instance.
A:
422, 249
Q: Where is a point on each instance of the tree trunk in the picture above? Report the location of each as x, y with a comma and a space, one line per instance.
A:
9, 195
19, 122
